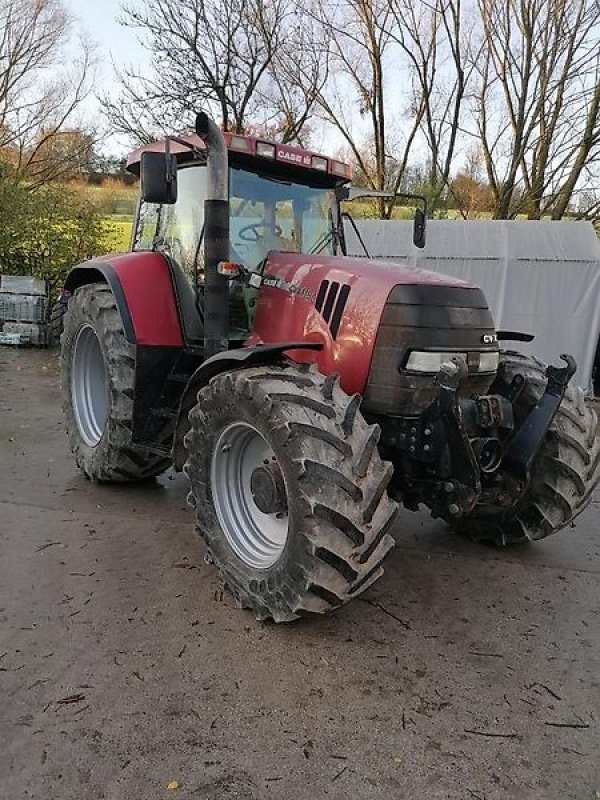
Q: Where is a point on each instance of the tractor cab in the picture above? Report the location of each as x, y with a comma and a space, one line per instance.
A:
281, 198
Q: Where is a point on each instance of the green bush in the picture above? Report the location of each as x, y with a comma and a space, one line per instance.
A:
112, 197
116, 236
45, 230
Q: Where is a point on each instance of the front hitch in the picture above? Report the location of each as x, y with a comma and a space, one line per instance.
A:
526, 442
465, 469
522, 447
468, 455
464, 451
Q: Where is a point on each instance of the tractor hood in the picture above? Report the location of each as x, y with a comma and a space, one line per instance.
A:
379, 272
337, 302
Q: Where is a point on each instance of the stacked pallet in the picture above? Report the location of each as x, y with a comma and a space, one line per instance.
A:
23, 311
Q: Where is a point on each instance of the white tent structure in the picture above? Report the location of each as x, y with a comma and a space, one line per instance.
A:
539, 277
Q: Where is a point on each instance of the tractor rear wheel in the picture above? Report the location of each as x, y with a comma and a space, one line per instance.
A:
564, 472
97, 366
289, 489
56, 321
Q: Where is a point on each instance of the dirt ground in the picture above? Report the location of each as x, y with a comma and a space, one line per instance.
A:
466, 672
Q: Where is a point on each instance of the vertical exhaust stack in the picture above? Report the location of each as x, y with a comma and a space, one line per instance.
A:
216, 237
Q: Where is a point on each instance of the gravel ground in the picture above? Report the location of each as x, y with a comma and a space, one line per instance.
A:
466, 672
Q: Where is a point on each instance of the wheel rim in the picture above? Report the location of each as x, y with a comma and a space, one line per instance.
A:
89, 391
258, 538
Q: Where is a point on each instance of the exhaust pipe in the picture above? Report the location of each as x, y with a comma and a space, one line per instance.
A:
216, 237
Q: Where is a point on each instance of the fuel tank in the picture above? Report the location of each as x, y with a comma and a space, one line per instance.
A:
369, 316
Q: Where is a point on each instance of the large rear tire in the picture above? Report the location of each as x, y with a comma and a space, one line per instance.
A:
564, 472
56, 321
97, 367
289, 490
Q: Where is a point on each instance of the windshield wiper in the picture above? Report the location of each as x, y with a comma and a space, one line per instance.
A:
347, 215
323, 241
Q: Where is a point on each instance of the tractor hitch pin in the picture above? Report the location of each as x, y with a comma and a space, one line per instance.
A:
452, 372
464, 461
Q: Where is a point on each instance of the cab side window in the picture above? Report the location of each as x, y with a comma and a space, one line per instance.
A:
147, 225
181, 225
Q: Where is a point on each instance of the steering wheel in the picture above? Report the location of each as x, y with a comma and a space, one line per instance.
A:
253, 228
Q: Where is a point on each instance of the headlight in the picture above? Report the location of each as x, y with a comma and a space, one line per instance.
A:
488, 362
422, 361
431, 363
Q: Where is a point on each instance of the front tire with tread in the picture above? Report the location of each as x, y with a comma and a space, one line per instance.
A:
339, 513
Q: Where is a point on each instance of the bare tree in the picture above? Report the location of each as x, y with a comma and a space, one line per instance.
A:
355, 39
38, 97
397, 67
209, 54
538, 101
468, 190
431, 37
393, 78
355, 35
296, 77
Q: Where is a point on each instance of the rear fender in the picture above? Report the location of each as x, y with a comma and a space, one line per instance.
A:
226, 361
143, 289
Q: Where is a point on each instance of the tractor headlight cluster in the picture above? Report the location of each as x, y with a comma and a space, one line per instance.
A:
488, 362
431, 362
422, 361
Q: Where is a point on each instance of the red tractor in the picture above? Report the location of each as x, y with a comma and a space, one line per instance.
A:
303, 392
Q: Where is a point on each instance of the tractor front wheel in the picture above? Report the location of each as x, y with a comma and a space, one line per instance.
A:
564, 472
289, 490
97, 366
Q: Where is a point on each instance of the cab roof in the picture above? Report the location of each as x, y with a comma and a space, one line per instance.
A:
250, 146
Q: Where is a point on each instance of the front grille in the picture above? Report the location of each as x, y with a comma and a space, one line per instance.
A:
425, 317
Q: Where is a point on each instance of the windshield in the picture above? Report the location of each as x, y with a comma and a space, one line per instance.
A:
272, 214
266, 214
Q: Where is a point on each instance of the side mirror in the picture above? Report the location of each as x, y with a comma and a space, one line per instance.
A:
158, 173
419, 228
342, 192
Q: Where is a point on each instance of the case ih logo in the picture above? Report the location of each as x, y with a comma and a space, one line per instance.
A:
295, 158
275, 282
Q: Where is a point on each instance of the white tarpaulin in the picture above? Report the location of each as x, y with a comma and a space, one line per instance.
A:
538, 277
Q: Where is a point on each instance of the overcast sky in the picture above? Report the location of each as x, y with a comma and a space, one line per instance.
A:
98, 18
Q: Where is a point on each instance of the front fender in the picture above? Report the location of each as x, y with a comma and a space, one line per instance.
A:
143, 288
226, 361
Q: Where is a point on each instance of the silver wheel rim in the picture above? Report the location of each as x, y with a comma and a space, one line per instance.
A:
89, 391
256, 537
